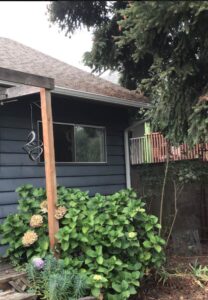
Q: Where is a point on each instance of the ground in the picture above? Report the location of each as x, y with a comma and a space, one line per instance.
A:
181, 286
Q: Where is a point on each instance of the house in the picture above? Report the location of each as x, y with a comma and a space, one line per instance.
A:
90, 119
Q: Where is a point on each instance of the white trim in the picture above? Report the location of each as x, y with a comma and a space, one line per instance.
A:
127, 158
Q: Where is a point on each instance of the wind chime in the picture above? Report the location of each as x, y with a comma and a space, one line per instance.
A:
33, 146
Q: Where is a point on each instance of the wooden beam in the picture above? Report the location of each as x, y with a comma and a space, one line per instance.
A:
26, 78
50, 169
18, 91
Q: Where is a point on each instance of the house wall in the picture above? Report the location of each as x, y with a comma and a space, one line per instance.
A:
17, 169
138, 131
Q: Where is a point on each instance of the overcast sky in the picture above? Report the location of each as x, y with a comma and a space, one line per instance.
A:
27, 23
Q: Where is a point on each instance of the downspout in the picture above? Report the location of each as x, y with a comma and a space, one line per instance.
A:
127, 153
127, 158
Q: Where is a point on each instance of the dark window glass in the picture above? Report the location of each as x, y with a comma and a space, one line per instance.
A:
90, 144
76, 143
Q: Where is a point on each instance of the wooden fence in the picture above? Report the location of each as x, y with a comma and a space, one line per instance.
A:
153, 148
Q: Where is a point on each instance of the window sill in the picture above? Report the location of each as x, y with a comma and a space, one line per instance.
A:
76, 163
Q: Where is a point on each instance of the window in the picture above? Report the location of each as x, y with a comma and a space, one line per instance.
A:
77, 143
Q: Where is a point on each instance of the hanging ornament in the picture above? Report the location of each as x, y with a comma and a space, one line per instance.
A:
33, 147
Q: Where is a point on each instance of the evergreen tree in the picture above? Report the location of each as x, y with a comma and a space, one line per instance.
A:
159, 47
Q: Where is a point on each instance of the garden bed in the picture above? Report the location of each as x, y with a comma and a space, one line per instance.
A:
181, 286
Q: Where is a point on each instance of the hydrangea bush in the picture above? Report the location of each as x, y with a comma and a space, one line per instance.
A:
111, 239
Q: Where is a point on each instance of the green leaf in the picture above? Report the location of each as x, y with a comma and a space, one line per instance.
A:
132, 290
148, 227
117, 287
136, 274
44, 244
4, 241
65, 246
147, 255
84, 239
85, 229
99, 250
91, 253
152, 237
99, 260
95, 292
66, 261
124, 285
29, 253
147, 244
66, 238
158, 248
125, 294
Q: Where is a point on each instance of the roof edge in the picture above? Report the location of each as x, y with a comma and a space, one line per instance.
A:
58, 90
99, 97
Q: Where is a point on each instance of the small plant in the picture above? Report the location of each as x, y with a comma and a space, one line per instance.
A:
50, 281
163, 275
200, 272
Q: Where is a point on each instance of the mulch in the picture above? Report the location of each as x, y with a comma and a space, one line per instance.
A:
180, 287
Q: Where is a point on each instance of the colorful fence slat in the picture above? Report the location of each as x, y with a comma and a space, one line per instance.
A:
153, 148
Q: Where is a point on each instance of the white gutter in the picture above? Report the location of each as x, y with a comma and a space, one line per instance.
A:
98, 97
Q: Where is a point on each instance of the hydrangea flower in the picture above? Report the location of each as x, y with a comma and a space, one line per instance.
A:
38, 263
29, 238
36, 221
60, 212
97, 277
44, 206
132, 234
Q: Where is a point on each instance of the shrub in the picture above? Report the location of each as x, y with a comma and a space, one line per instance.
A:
111, 239
16, 229
49, 280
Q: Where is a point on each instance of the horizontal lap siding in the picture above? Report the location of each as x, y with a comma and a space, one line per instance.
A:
16, 168
8, 172
87, 181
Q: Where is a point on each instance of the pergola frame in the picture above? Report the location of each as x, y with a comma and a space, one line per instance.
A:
33, 84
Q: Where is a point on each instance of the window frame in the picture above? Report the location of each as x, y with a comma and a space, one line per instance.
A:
74, 126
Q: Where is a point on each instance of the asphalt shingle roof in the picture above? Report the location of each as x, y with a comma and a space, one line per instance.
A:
16, 56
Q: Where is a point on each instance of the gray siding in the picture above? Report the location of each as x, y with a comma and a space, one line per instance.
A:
17, 169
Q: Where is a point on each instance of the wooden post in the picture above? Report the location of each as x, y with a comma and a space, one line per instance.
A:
50, 168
